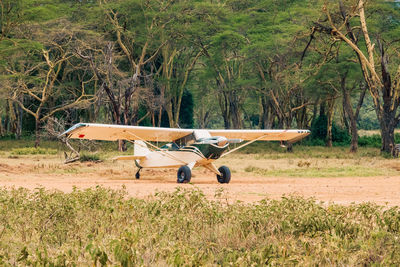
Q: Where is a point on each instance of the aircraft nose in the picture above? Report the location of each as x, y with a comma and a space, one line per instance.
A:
221, 141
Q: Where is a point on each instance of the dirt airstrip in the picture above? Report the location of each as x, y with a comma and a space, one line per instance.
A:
49, 172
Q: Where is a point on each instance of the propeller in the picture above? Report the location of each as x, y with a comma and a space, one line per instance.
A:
219, 141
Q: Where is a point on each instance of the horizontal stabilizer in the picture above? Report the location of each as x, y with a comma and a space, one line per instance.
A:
129, 157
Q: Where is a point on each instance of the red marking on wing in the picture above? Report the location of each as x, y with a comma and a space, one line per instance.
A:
81, 136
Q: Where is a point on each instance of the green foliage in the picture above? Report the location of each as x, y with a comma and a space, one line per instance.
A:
367, 118
375, 140
105, 227
319, 132
84, 157
186, 114
319, 128
237, 42
370, 141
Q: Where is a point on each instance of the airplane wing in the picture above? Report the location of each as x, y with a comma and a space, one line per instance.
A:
262, 135
110, 132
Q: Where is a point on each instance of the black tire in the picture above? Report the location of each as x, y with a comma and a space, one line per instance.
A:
137, 175
225, 176
184, 174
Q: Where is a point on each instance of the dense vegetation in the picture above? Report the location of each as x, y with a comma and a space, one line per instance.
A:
188, 63
104, 227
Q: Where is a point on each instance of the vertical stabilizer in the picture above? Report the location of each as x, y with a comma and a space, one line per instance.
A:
140, 148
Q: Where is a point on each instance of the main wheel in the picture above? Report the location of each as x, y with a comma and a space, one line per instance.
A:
184, 174
225, 176
137, 175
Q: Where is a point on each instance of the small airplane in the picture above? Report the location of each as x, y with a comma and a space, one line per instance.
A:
186, 149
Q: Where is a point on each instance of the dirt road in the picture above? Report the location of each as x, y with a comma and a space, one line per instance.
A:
51, 174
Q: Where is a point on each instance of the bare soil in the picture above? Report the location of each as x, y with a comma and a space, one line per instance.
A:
49, 172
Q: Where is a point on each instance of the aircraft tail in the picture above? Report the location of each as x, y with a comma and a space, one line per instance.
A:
140, 148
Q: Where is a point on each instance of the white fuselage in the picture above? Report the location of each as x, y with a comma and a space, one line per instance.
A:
165, 158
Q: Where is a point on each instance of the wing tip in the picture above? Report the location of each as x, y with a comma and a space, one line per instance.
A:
72, 128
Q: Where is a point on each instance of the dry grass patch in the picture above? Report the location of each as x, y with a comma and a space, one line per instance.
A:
312, 167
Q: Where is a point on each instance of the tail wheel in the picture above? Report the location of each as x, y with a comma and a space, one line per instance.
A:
137, 175
184, 174
225, 176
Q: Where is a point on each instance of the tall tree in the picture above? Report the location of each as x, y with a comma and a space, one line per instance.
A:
36, 73
374, 51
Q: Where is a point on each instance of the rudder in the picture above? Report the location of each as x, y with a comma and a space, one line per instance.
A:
140, 148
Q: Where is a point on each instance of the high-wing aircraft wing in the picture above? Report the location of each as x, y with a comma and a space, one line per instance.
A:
262, 135
110, 132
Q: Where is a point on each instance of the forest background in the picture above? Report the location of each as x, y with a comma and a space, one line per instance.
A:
329, 66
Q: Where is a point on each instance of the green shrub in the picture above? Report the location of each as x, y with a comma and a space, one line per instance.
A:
105, 227
319, 128
89, 157
340, 137
33, 151
370, 141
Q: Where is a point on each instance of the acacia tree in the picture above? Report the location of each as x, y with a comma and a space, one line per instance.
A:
37, 80
103, 63
349, 24
10, 16
275, 54
135, 24
227, 65
177, 64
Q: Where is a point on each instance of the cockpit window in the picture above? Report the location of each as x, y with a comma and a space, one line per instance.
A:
170, 146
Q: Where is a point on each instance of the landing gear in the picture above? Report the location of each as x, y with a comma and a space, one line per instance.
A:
225, 176
137, 175
184, 174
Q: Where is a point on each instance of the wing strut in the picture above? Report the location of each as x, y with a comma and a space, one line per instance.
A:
241, 146
157, 149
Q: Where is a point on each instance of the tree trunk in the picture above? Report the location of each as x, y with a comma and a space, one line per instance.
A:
227, 123
37, 132
315, 111
19, 113
331, 106
301, 118
281, 122
264, 113
354, 136
160, 112
7, 118
235, 113
353, 121
224, 106
388, 124
348, 109
1, 127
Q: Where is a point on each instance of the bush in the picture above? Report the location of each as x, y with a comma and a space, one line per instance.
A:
319, 128
105, 227
84, 157
370, 141
375, 140
340, 137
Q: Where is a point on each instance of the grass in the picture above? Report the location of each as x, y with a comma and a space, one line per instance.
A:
33, 151
320, 172
104, 227
269, 150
